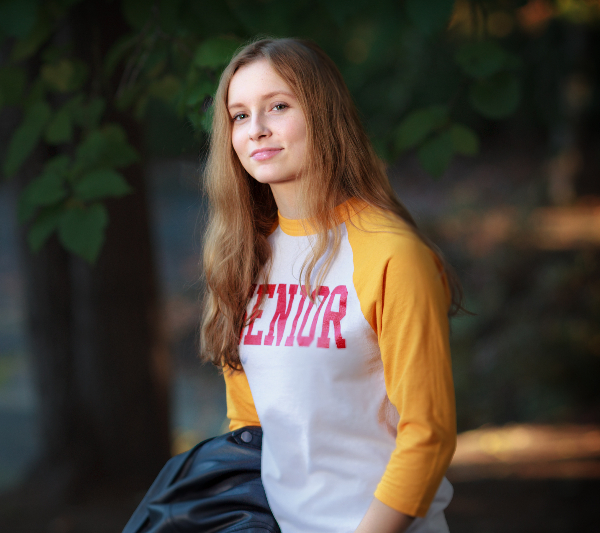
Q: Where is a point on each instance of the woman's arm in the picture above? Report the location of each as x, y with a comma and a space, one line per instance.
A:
404, 296
380, 518
240, 404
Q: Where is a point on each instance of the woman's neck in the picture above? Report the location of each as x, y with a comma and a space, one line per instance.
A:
286, 198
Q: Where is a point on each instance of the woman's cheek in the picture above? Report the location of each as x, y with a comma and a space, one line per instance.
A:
238, 148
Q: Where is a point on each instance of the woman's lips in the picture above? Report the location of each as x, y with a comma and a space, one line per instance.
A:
265, 153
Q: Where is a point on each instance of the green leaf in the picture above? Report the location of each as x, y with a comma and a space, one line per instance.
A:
216, 52
496, 97
464, 139
81, 230
12, 84
435, 154
199, 92
419, 124
93, 112
137, 12
481, 59
101, 184
105, 148
118, 151
36, 93
164, 88
429, 16
206, 120
60, 129
17, 17
58, 76
64, 75
87, 116
44, 226
139, 111
29, 45
117, 52
46, 189
195, 119
381, 149
58, 164
168, 15
26, 136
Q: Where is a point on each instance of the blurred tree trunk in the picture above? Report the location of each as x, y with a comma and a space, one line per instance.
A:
98, 352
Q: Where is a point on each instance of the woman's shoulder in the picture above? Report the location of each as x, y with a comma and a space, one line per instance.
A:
379, 237
386, 247
374, 226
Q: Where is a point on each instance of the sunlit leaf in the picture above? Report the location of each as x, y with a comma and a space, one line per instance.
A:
64, 75
215, 52
436, 153
464, 139
164, 88
17, 17
481, 59
81, 230
44, 226
101, 184
60, 128
26, 136
429, 16
496, 97
419, 124
58, 76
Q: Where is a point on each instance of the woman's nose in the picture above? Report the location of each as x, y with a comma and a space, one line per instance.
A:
258, 128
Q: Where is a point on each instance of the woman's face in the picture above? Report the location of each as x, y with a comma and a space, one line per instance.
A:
268, 126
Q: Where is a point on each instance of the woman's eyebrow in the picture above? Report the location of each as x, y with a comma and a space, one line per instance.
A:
264, 97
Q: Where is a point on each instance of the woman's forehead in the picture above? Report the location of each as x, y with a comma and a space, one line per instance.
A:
256, 80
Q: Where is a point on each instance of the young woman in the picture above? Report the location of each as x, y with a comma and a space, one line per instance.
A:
326, 307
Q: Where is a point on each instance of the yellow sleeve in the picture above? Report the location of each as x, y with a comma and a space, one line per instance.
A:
240, 405
404, 296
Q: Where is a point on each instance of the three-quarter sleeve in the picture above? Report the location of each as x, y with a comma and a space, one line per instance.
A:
405, 297
240, 405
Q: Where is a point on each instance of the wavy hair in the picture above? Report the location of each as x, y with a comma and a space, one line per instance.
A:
242, 211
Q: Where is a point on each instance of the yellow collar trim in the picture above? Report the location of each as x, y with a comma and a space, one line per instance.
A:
303, 227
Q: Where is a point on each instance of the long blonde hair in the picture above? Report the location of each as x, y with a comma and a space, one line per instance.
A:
243, 211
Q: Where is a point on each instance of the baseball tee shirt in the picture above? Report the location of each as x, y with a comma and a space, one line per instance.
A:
353, 385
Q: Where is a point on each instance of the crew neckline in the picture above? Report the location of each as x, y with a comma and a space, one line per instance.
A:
302, 227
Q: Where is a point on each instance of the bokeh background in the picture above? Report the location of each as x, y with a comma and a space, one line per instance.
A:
487, 113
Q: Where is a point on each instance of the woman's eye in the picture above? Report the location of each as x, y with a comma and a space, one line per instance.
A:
279, 107
240, 116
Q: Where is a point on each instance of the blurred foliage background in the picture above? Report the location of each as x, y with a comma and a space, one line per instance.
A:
486, 112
